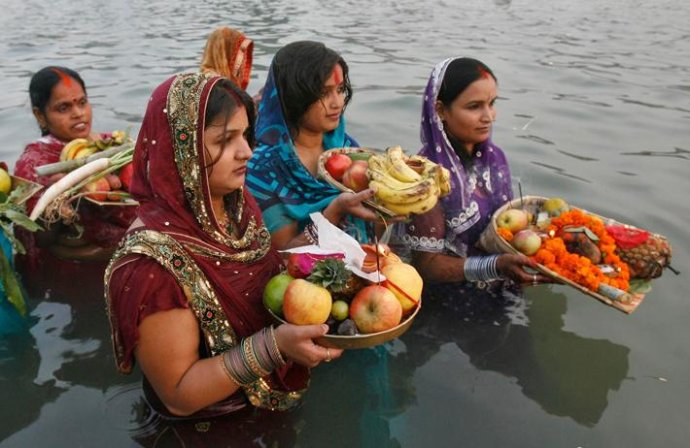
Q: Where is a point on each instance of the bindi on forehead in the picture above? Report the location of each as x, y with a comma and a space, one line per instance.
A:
484, 73
64, 78
337, 74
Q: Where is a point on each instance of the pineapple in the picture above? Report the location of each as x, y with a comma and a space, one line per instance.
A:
648, 259
332, 274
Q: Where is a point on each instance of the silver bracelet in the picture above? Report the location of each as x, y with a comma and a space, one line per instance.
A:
481, 268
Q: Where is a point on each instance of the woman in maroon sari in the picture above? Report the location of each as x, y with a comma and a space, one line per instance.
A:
56, 257
184, 289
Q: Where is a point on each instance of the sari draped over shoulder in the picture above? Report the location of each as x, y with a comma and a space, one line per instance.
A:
478, 187
285, 190
180, 258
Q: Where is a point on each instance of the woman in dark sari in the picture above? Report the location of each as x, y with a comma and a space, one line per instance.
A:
56, 257
301, 116
457, 117
184, 289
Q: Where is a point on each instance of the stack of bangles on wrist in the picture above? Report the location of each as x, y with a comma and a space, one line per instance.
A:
310, 233
481, 268
253, 358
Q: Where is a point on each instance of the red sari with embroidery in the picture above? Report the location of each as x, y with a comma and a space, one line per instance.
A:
102, 227
170, 183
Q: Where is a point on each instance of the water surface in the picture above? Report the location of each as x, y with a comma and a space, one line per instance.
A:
594, 107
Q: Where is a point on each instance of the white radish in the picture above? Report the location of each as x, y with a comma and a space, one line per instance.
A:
70, 180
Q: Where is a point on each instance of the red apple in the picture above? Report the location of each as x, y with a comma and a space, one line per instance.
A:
355, 178
513, 219
337, 164
375, 308
527, 241
126, 173
98, 189
305, 303
405, 283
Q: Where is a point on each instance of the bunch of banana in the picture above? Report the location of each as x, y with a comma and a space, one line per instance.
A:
406, 185
82, 147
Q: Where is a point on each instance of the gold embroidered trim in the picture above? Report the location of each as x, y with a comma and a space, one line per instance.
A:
218, 332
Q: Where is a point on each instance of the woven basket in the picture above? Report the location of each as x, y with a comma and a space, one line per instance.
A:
323, 174
492, 242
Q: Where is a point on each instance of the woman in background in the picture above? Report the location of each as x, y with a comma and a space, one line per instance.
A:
55, 257
301, 116
228, 53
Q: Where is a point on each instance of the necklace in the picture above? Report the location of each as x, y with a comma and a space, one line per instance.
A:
224, 221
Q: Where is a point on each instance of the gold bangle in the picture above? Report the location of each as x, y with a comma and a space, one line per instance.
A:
250, 357
274, 350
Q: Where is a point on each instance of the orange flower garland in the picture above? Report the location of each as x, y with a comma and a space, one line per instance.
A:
554, 255
505, 234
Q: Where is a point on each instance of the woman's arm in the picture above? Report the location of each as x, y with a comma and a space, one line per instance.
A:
442, 268
436, 266
168, 354
343, 205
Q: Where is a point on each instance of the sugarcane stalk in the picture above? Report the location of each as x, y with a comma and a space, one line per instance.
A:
69, 165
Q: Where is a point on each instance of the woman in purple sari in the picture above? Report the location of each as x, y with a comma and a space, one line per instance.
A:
457, 117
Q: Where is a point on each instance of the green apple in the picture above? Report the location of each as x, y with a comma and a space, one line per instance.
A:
555, 206
513, 219
274, 292
340, 310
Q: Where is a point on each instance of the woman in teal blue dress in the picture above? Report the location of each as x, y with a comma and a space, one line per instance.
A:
301, 116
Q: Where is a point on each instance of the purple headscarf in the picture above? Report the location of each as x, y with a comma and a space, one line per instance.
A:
475, 194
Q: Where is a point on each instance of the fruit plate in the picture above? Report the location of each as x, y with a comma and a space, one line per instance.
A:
356, 153
28, 188
362, 340
492, 242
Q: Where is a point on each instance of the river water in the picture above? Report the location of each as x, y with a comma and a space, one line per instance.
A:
594, 107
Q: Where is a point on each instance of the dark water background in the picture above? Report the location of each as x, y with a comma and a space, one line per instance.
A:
594, 107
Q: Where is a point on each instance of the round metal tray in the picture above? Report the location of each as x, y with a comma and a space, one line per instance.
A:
363, 340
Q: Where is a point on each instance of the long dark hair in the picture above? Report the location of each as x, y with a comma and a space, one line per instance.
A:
300, 70
225, 98
42, 83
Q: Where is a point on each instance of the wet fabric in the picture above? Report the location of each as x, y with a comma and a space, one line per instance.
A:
478, 188
284, 188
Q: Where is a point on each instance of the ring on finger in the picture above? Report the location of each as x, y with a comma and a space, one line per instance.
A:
534, 279
328, 355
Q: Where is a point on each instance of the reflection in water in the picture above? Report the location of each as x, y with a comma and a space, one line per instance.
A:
353, 398
566, 374
19, 363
